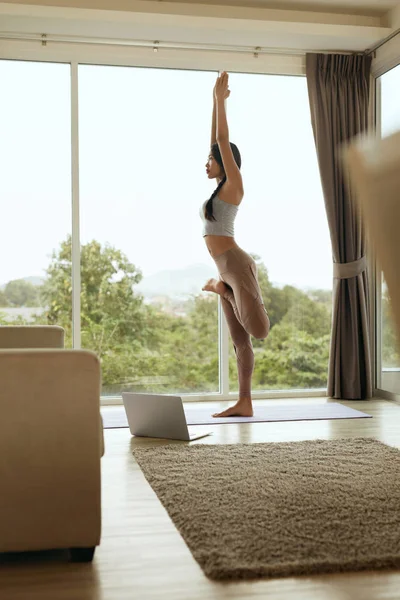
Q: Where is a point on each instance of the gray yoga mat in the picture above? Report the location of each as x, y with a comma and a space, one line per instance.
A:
115, 417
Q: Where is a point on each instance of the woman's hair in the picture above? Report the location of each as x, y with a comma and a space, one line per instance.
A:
215, 152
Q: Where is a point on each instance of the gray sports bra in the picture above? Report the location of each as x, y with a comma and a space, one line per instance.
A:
224, 214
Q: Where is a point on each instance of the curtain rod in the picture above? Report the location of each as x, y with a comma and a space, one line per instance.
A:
156, 45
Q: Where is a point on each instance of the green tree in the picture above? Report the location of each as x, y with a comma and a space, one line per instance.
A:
3, 299
292, 359
296, 352
277, 300
21, 293
308, 316
113, 319
107, 296
192, 347
16, 320
390, 343
321, 296
149, 348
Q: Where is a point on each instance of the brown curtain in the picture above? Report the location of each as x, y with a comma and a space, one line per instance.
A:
338, 88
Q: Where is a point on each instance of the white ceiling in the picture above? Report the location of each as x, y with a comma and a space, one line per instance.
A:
211, 22
365, 7
362, 7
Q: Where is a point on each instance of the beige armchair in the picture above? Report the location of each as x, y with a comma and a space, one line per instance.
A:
32, 336
50, 444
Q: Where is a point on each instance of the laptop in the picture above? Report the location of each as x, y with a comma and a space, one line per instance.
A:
159, 416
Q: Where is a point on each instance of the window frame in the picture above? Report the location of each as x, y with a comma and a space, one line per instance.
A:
386, 58
77, 54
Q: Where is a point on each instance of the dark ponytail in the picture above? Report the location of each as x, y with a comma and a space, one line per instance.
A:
215, 152
209, 206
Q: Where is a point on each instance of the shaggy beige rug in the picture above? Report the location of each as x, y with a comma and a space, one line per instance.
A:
253, 510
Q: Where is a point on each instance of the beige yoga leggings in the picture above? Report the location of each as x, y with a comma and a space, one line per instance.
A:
244, 310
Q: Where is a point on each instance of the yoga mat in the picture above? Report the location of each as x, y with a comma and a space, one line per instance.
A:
115, 417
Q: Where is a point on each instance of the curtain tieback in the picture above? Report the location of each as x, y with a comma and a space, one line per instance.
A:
350, 269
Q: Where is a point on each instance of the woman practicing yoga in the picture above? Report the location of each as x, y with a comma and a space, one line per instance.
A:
237, 285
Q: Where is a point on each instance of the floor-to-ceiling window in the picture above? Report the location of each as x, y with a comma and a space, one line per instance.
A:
283, 222
143, 143
389, 360
144, 138
35, 192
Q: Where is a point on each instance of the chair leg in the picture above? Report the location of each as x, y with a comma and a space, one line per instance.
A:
82, 554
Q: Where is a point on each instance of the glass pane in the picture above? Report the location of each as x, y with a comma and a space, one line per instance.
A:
144, 140
282, 222
390, 115
390, 359
35, 188
390, 345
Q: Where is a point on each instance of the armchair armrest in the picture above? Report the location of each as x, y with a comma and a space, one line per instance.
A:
50, 447
31, 336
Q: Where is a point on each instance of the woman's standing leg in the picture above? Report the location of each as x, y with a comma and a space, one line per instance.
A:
245, 363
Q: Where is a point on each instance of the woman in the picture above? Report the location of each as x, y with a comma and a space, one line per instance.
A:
237, 285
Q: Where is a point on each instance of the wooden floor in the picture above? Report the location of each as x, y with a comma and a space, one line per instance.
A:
142, 556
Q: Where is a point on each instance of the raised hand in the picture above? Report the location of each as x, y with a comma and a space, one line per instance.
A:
221, 88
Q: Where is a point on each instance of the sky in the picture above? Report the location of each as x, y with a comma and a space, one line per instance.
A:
143, 142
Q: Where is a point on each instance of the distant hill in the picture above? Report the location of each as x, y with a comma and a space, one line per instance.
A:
173, 283
184, 282
176, 282
34, 280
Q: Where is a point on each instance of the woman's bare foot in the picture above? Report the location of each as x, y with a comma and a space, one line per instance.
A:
242, 408
213, 285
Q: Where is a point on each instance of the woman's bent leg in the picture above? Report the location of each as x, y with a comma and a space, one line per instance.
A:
249, 309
